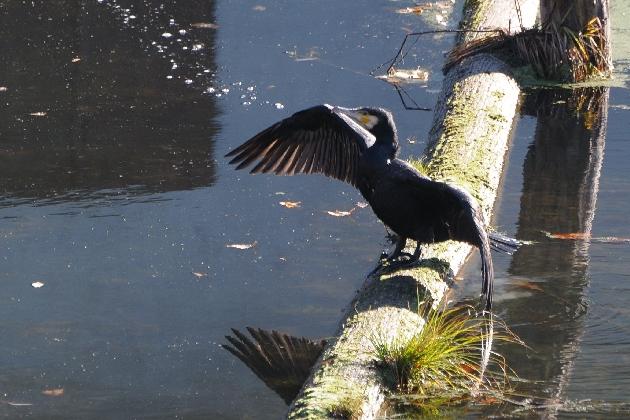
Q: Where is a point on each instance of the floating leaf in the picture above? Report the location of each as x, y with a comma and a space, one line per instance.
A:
37, 284
55, 392
242, 246
527, 285
417, 75
199, 275
290, 204
586, 236
14, 404
340, 213
205, 25
417, 10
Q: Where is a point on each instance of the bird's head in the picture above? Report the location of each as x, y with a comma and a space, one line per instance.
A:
377, 121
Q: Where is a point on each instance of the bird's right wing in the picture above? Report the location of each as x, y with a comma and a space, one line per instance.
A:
321, 139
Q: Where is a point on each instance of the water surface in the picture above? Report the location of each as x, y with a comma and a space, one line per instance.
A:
114, 119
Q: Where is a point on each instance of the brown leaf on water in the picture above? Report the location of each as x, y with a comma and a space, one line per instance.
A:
290, 204
199, 275
416, 10
204, 25
54, 392
527, 285
242, 246
341, 213
488, 400
569, 236
586, 236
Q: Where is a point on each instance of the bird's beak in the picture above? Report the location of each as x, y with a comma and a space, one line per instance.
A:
358, 117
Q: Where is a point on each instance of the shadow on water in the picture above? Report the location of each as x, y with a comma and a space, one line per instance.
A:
79, 115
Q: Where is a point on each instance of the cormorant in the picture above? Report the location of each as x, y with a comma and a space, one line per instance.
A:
359, 146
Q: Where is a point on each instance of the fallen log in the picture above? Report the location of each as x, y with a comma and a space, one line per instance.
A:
467, 144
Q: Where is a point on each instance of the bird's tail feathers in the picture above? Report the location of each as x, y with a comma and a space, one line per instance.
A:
487, 270
502, 243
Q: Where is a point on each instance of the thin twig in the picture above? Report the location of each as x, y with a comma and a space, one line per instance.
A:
394, 60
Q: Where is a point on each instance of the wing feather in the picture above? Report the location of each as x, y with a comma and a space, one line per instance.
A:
320, 139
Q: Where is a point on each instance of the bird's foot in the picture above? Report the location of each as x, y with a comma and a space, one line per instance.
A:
404, 260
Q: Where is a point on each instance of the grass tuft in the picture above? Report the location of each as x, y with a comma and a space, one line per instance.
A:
449, 362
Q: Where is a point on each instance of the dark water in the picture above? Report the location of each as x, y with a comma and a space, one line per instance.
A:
115, 196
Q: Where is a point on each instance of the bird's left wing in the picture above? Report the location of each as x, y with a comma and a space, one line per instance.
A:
322, 139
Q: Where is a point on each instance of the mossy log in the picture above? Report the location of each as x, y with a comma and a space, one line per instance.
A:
467, 145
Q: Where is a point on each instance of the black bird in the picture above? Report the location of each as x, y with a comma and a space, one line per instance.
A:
359, 146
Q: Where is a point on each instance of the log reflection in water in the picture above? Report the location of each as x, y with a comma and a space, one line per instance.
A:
561, 180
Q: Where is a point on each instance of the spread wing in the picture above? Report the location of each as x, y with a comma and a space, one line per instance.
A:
321, 139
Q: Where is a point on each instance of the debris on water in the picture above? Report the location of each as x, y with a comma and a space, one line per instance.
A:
55, 392
167, 35
290, 204
242, 246
14, 404
340, 213
199, 274
310, 55
37, 284
361, 204
278, 105
527, 285
416, 10
205, 25
581, 236
406, 75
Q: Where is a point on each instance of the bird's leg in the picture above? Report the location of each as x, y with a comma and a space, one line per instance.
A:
397, 252
385, 258
413, 258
